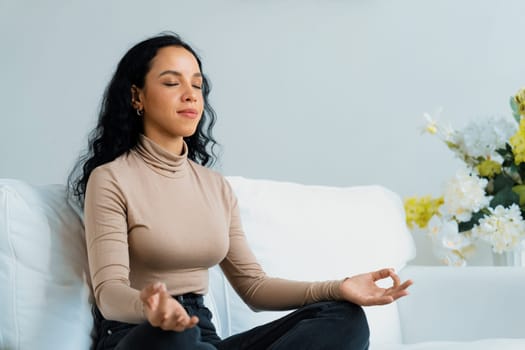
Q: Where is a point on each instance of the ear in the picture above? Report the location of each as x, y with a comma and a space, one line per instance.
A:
136, 100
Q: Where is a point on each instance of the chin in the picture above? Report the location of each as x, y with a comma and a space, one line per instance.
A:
187, 130
188, 133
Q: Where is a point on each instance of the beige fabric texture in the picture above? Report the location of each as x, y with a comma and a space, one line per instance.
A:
151, 215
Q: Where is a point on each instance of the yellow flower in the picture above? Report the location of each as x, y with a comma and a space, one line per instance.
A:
517, 142
520, 190
520, 101
420, 210
522, 126
489, 168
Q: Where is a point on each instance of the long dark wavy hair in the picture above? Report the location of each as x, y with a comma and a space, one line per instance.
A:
118, 127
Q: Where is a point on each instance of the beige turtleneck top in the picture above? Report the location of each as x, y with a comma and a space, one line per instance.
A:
151, 215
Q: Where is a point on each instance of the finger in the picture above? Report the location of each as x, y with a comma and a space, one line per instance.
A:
400, 291
380, 274
401, 287
163, 311
150, 297
178, 319
152, 302
382, 300
406, 284
194, 320
174, 325
165, 301
395, 278
183, 318
150, 290
399, 294
179, 327
187, 321
181, 323
157, 318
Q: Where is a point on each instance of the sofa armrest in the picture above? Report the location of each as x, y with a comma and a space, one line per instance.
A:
462, 304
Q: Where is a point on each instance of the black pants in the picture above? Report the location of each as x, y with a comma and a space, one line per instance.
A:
324, 325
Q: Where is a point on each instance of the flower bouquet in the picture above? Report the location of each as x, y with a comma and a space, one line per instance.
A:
485, 200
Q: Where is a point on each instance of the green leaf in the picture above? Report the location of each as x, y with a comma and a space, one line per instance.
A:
508, 156
513, 104
502, 181
516, 116
521, 168
502, 152
505, 197
515, 109
467, 226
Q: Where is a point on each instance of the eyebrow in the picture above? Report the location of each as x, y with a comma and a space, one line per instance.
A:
179, 74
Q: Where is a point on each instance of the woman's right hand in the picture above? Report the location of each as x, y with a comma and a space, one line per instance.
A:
163, 311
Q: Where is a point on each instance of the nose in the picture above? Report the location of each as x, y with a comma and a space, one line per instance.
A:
189, 94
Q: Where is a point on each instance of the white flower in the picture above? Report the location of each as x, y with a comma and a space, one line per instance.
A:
455, 240
504, 228
463, 195
433, 127
450, 257
482, 139
467, 193
449, 245
439, 227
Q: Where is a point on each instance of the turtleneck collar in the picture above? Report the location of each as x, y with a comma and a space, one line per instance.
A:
161, 160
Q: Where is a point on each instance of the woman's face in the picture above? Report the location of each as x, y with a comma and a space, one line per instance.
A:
172, 98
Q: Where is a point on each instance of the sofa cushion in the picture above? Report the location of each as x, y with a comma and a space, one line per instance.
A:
481, 344
44, 298
466, 303
316, 233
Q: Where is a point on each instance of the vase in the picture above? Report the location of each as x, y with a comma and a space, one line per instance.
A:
511, 258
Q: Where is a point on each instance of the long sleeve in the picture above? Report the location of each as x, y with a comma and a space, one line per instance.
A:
256, 288
107, 245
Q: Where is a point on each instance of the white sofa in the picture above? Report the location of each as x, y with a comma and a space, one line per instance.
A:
296, 231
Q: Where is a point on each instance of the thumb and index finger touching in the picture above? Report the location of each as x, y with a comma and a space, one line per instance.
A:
151, 290
390, 272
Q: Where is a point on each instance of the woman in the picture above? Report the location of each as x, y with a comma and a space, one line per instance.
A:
156, 219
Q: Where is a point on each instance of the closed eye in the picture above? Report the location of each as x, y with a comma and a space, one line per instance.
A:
197, 87
171, 84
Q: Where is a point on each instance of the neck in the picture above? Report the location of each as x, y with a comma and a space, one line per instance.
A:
169, 143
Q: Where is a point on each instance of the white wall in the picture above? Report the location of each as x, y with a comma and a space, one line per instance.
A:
318, 92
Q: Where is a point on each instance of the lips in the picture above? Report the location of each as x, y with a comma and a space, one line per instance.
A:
188, 113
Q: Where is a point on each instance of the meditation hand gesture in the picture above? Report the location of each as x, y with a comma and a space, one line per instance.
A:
163, 311
363, 290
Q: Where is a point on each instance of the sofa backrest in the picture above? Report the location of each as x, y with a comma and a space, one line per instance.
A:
44, 295
309, 232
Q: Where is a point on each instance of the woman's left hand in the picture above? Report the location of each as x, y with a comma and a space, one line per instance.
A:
363, 290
